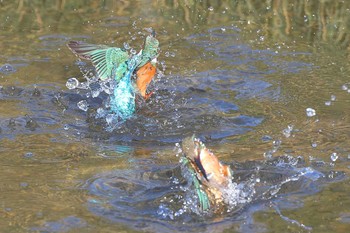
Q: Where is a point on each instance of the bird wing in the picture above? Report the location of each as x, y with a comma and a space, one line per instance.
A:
203, 198
105, 59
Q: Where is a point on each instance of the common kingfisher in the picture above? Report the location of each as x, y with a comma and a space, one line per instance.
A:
209, 175
112, 63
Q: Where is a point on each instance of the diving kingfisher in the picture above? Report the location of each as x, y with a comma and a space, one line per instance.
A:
117, 65
209, 176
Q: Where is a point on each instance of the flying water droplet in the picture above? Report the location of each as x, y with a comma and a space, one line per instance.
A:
314, 144
95, 89
126, 45
83, 105
344, 87
100, 113
7, 68
109, 119
95, 93
211, 8
83, 85
28, 155
333, 97
72, 83
266, 138
133, 51
107, 87
287, 132
310, 112
334, 157
277, 143
328, 103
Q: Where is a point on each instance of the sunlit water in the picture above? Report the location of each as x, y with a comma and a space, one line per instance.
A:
269, 100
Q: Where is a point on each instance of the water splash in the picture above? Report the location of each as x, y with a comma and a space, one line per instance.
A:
162, 198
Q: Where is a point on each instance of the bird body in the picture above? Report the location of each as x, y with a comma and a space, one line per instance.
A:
115, 64
210, 175
144, 77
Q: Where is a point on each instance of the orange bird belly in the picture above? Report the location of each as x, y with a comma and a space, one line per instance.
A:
144, 76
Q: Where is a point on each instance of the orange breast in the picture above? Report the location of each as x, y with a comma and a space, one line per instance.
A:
220, 174
144, 76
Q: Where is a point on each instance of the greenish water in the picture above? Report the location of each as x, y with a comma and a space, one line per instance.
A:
236, 73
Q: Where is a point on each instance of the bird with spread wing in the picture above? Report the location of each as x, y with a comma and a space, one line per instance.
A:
115, 64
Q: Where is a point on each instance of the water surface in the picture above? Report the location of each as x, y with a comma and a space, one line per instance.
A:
238, 74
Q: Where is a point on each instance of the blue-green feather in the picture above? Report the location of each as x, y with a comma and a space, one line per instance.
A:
123, 98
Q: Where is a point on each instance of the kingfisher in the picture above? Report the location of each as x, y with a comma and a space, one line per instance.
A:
209, 176
117, 65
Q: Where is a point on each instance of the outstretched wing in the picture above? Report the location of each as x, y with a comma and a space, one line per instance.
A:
105, 59
203, 198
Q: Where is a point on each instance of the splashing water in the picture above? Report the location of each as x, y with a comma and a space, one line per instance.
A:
72, 83
162, 197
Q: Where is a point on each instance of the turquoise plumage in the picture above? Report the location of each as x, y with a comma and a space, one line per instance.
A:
117, 65
203, 198
123, 98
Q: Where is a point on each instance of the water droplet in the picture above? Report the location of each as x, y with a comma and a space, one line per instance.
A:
266, 138
65, 127
28, 155
7, 68
344, 87
268, 155
100, 113
83, 85
223, 29
133, 51
83, 105
328, 103
261, 38
310, 112
110, 118
95, 93
333, 97
314, 144
72, 83
334, 157
167, 54
126, 45
287, 132
277, 143
211, 8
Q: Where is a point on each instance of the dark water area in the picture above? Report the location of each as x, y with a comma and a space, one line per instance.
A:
238, 74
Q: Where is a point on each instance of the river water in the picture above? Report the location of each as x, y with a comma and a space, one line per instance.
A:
238, 74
